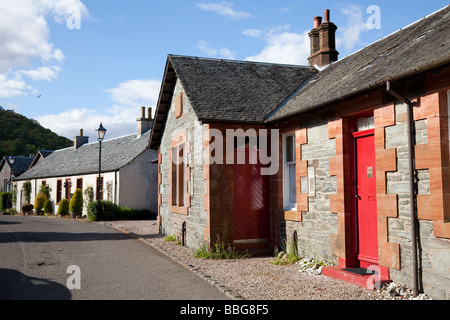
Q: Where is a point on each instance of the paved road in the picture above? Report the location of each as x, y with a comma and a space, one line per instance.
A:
36, 252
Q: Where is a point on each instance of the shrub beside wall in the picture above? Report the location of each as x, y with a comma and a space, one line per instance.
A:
111, 212
5, 200
39, 202
63, 209
48, 207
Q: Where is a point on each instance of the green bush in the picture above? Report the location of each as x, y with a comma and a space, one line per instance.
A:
219, 251
108, 213
76, 203
170, 238
5, 200
45, 190
111, 212
48, 207
27, 191
63, 208
39, 201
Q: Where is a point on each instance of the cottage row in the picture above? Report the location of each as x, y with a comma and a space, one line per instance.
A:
127, 177
329, 148
348, 159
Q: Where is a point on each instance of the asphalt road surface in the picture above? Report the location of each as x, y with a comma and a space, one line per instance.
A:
50, 258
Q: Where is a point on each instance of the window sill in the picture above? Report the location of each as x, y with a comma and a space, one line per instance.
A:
290, 215
179, 210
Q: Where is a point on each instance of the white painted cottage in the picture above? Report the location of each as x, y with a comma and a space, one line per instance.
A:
129, 170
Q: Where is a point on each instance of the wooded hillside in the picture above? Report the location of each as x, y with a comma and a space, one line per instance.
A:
20, 136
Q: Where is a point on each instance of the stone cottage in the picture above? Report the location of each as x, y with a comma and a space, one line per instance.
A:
128, 175
360, 148
10, 168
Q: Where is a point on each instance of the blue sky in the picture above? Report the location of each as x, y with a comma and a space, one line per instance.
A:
70, 64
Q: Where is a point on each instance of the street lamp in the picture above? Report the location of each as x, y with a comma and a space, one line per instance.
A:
101, 131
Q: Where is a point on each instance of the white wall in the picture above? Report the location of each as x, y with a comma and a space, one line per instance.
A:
88, 180
139, 183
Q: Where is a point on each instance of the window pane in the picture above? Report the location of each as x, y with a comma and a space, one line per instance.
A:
181, 176
365, 123
174, 176
290, 149
292, 185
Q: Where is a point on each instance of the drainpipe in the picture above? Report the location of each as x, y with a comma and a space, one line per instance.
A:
412, 188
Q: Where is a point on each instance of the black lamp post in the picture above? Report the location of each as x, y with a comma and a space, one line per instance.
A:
101, 131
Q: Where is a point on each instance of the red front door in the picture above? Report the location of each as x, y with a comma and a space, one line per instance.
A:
365, 197
251, 216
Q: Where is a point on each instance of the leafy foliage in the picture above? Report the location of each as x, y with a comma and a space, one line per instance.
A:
26, 187
5, 198
63, 208
76, 203
20, 136
39, 201
170, 238
48, 207
219, 251
111, 212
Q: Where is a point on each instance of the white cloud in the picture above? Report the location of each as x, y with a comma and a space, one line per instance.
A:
224, 8
349, 35
282, 46
42, 73
135, 92
14, 87
119, 120
215, 53
253, 33
25, 40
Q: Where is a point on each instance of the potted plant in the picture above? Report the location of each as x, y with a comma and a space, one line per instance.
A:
76, 204
39, 202
27, 209
63, 208
48, 208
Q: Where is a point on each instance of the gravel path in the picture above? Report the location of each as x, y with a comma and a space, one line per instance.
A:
253, 278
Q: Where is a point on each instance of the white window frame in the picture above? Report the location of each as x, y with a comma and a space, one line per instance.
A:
287, 204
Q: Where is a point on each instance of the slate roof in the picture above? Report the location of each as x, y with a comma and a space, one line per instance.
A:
41, 154
20, 165
413, 49
238, 90
226, 90
116, 153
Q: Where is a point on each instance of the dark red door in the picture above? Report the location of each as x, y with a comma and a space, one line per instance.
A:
366, 200
251, 216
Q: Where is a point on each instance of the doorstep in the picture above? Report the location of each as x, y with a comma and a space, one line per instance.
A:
370, 282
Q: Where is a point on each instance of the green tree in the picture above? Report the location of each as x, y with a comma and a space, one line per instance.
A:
63, 209
76, 203
39, 202
48, 207
21, 136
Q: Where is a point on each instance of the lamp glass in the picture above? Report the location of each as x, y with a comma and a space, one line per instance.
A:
101, 132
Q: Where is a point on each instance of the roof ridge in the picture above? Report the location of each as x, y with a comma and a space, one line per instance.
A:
393, 33
242, 61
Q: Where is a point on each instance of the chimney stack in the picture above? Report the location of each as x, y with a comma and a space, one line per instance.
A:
80, 140
323, 41
144, 124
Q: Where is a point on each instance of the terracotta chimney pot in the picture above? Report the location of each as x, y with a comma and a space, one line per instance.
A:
317, 22
326, 16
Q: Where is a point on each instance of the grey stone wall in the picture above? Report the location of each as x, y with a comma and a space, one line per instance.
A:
171, 223
314, 232
434, 253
